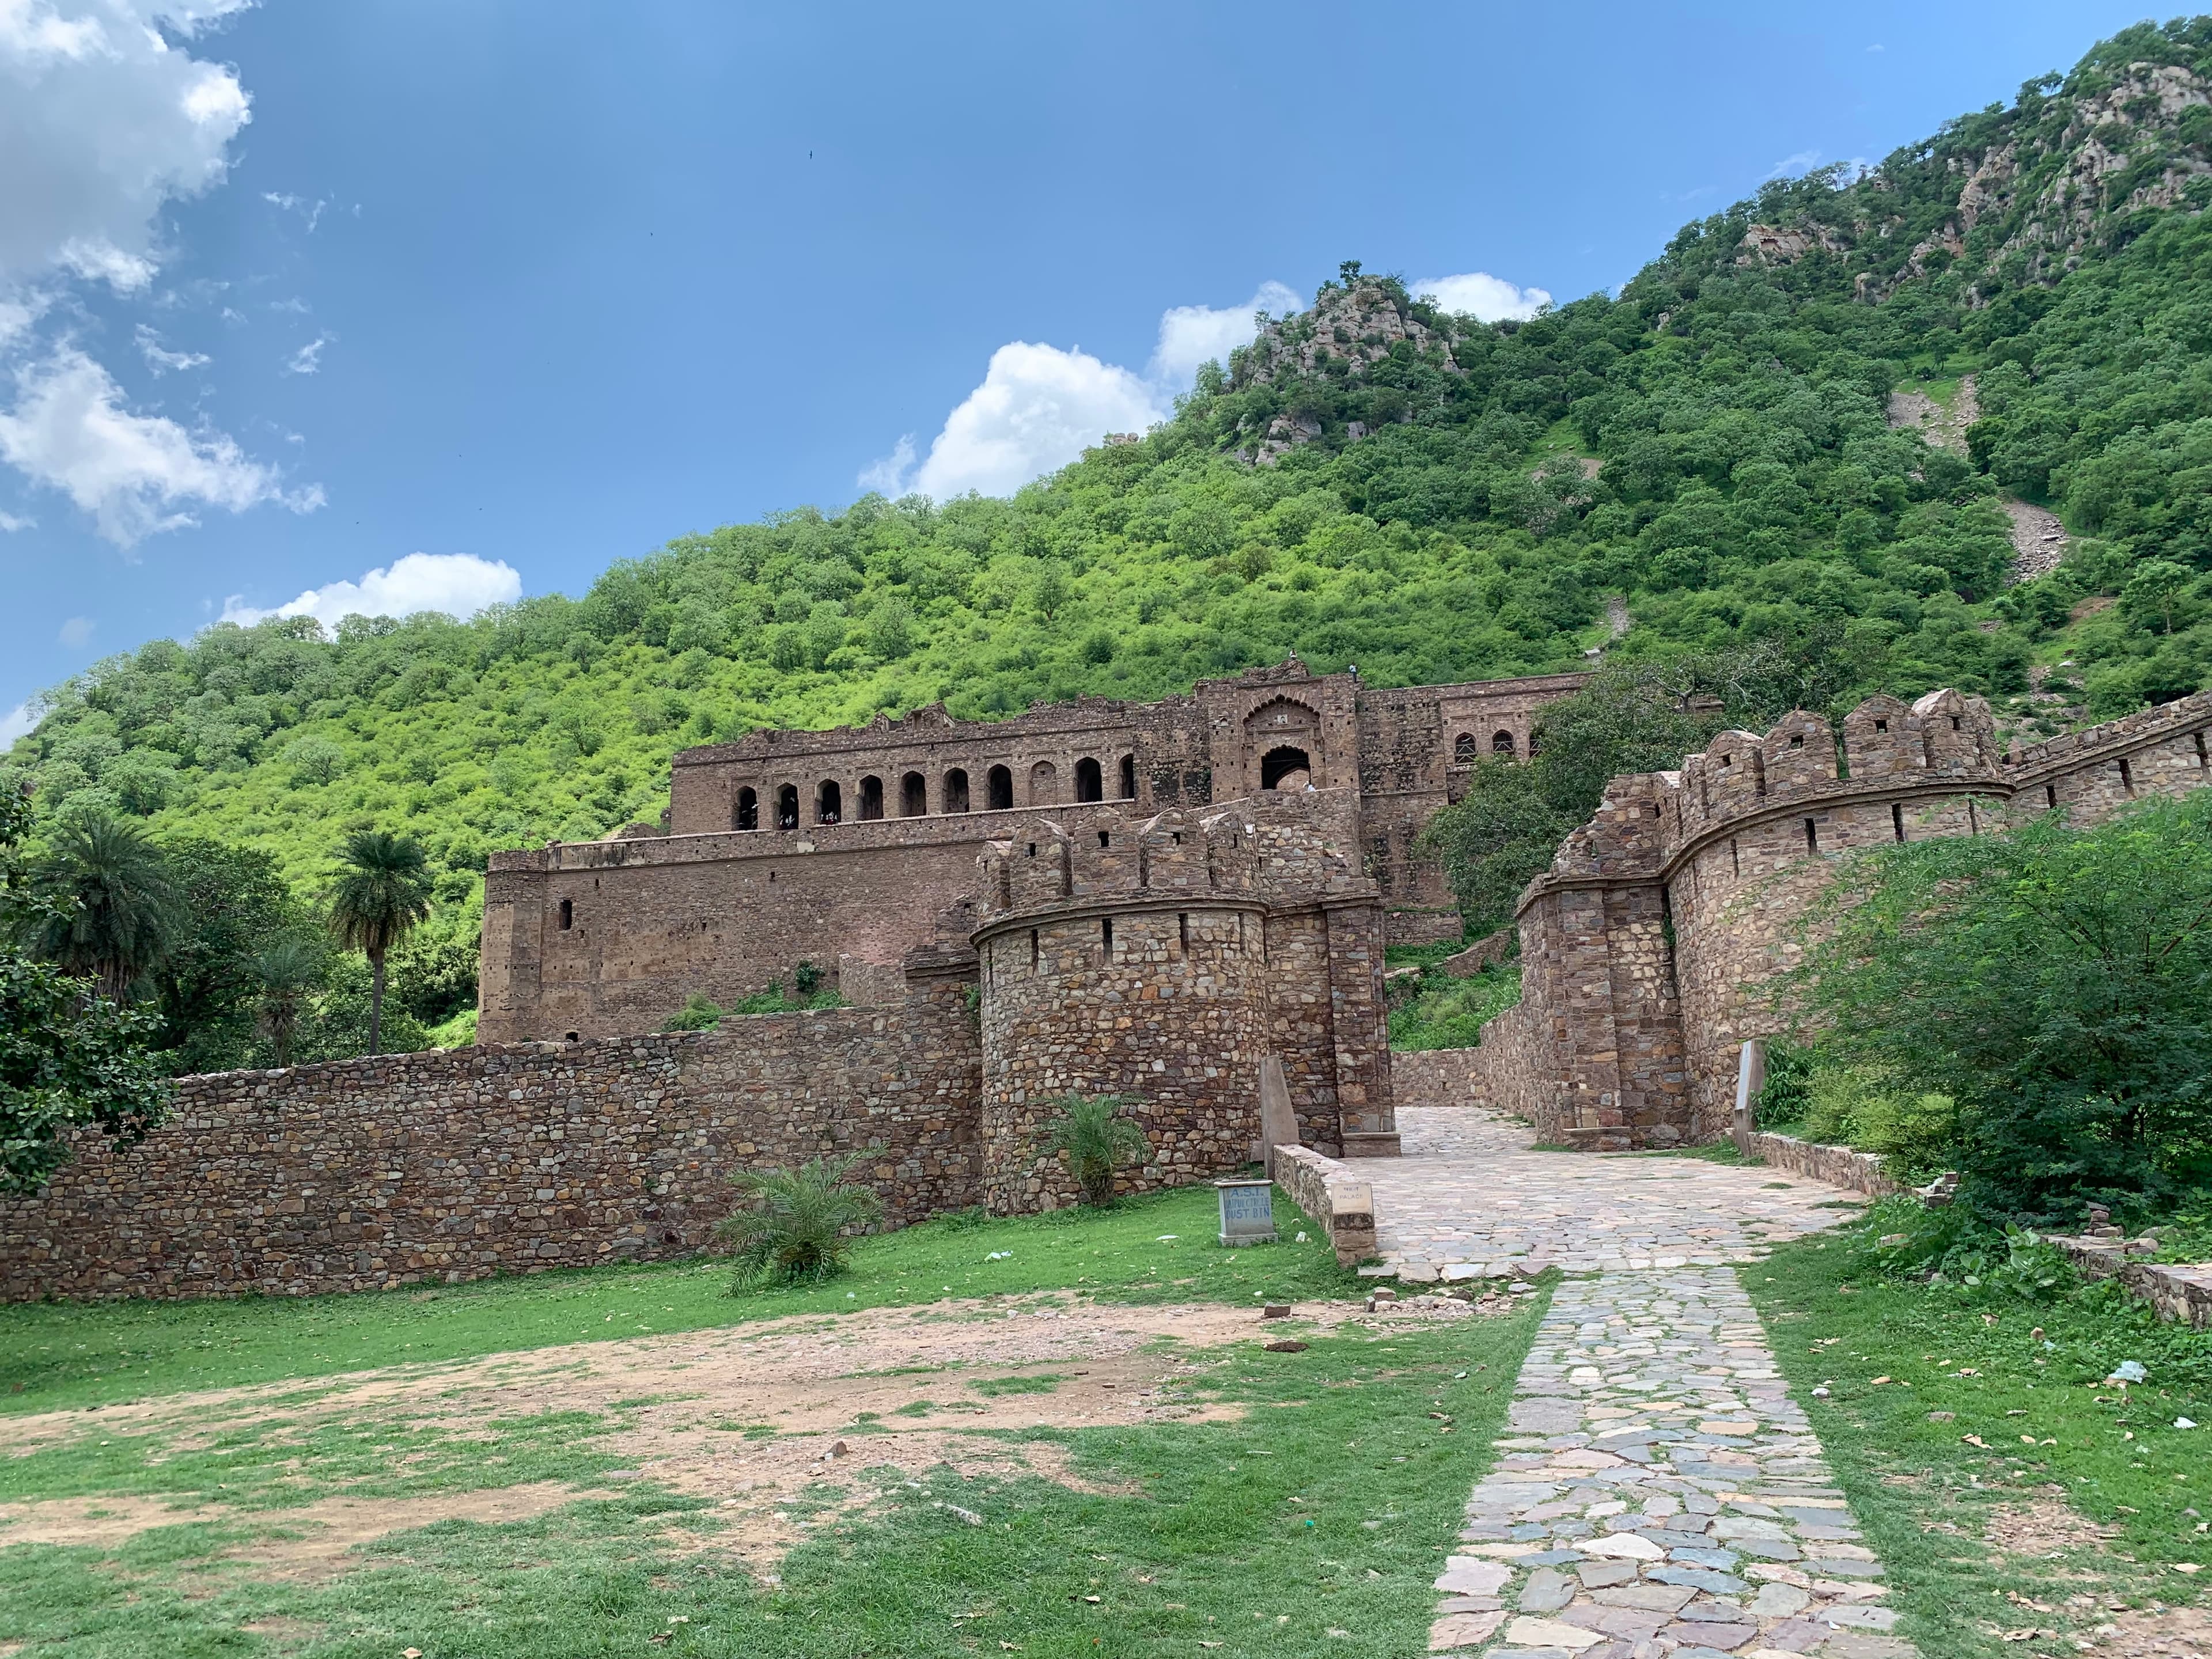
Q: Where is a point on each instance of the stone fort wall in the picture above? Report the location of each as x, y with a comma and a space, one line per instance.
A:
447, 1166
842, 848
1656, 944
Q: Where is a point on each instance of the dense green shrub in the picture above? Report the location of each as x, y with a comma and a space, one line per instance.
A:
801, 1224
2053, 982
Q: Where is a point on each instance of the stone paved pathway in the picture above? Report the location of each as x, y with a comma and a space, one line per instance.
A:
1470, 1198
1658, 1494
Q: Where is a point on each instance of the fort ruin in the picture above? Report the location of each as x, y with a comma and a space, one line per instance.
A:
1185, 891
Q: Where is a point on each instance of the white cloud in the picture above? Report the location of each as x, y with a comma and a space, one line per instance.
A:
160, 359
310, 211
1480, 294
103, 119
10, 523
308, 359
136, 474
17, 723
77, 632
1790, 166
1040, 407
1191, 335
459, 583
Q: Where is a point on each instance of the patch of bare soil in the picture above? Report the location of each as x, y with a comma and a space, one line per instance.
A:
2038, 540
2044, 1527
2165, 1633
784, 1424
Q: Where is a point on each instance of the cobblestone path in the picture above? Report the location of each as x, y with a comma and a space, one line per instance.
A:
1658, 1494
1469, 1198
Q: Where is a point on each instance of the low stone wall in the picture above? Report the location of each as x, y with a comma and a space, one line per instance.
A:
1435, 1076
1509, 1073
1491, 951
1333, 1196
1839, 1166
2182, 1293
448, 1166
1421, 927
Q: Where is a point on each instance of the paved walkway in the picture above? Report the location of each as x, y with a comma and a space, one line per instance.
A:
1657, 1493
1469, 1199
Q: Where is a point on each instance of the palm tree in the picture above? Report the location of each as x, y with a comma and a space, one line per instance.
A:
1096, 1140
382, 891
115, 910
801, 1228
286, 973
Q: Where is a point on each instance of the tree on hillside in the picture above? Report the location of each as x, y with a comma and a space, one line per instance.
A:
113, 909
383, 891
233, 904
68, 1056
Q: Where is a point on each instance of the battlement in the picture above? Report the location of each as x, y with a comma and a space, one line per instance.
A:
1272, 847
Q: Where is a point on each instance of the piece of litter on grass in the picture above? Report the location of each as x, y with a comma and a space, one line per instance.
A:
1165, 1238
999, 1255
851, 1296
2128, 1371
2185, 1423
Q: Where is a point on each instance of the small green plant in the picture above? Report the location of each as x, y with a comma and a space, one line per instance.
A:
805, 980
698, 1013
1096, 1140
801, 1225
1043, 1383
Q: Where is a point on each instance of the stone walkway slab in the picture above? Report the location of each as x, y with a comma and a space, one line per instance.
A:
1658, 1494
1470, 1198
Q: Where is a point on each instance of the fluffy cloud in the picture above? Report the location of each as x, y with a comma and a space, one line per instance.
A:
1191, 335
1039, 407
102, 120
308, 359
1478, 293
459, 583
135, 474
17, 723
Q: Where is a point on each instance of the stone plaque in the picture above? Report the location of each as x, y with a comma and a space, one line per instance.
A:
1248, 1212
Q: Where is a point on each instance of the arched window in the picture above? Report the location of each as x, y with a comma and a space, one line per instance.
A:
1464, 752
747, 816
914, 796
1284, 769
1089, 783
1128, 777
787, 807
998, 787
1044, 784
1501, 743
955, 798
871, 799
829, 802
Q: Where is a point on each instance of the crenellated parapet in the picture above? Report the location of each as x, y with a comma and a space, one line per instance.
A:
1665, 931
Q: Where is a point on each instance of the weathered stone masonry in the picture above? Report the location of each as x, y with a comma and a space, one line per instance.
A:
448, 1166
1652, 947
842, 848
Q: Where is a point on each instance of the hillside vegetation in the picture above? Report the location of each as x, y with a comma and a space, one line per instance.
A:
1371, 483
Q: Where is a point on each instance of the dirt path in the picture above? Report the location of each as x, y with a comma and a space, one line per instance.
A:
752, 1418
2039, 539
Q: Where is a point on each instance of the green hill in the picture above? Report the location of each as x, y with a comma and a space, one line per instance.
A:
1710, 455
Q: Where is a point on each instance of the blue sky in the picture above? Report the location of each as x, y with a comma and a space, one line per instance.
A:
418, 303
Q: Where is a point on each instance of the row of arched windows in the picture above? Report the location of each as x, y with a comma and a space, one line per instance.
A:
828, 804
1468, 748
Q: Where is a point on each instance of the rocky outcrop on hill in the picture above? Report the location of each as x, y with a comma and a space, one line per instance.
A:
1352, 327
2024, 190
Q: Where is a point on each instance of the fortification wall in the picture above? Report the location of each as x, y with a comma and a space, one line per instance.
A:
454, 1165
1622, 1038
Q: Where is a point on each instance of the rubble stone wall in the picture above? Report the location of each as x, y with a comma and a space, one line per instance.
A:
1663, 936
447, 1166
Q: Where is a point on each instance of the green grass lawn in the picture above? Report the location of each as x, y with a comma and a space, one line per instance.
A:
1948, 1406
57, 1354
1312, 1522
